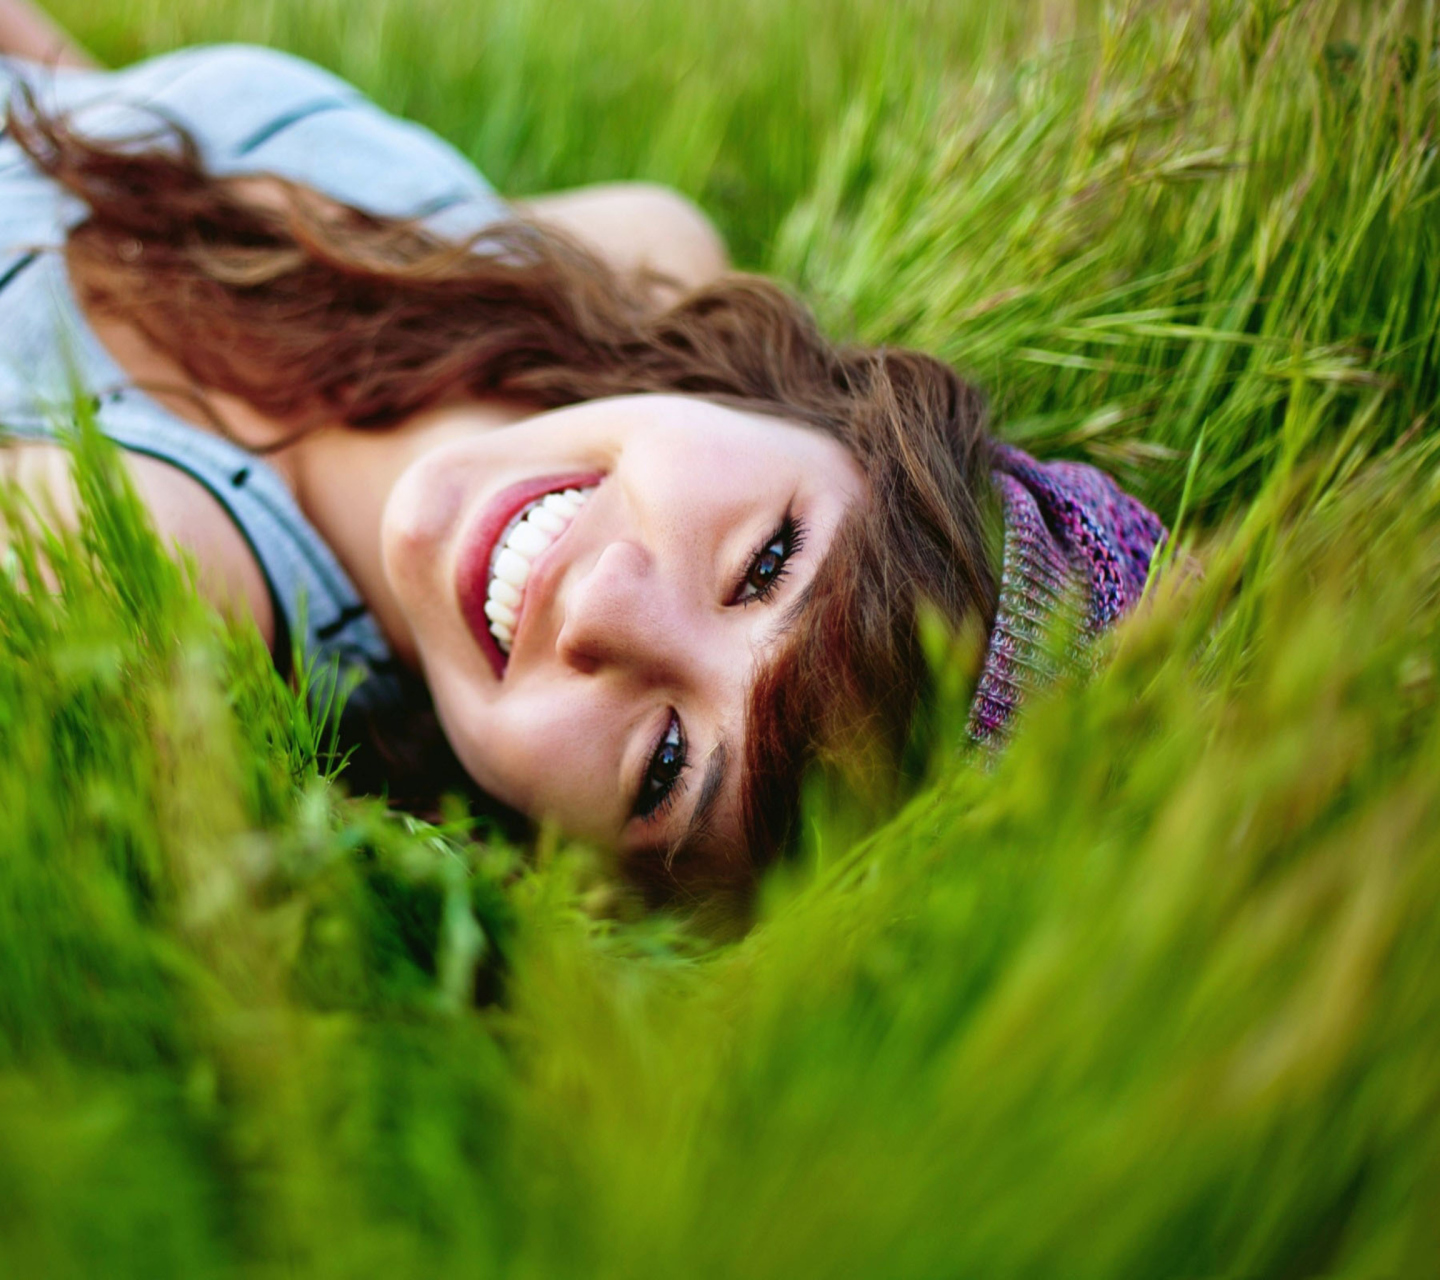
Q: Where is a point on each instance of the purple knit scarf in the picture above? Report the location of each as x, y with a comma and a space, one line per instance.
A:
1071, 534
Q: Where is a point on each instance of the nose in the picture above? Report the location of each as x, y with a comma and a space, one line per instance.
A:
620, 614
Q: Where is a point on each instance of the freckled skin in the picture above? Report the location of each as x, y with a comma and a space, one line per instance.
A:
630, 615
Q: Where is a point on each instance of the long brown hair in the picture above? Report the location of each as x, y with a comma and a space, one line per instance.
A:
312, 310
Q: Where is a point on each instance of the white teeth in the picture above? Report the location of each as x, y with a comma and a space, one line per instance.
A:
503, 592
540, 518
501, 613
512, 567
532, 533
528, 539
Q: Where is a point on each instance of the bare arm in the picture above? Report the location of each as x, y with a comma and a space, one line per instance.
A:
638, 226
186, 516
27, 32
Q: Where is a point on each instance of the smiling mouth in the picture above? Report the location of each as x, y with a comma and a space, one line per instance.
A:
530, 532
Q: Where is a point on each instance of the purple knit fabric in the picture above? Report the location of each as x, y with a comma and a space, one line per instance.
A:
1071, 535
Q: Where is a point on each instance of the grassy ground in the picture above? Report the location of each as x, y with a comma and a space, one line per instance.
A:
1158, 995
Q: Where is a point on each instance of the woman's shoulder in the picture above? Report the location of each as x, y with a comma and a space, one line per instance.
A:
242, 62
257, 110
184, 513
230, 96
223, 95
214, 82
178, 74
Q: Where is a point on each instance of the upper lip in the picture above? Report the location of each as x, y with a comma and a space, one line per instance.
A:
478, 553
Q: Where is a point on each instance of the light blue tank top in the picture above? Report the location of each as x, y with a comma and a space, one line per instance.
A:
251, 110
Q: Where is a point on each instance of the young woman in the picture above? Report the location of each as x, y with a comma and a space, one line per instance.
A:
638, 537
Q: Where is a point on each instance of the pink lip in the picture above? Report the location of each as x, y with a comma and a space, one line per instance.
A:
478, 549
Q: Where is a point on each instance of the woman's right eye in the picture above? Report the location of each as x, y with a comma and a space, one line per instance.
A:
770, 562
659, 786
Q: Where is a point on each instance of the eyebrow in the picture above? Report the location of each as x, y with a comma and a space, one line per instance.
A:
710, 788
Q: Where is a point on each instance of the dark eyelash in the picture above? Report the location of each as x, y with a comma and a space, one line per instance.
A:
648, 806
791, 534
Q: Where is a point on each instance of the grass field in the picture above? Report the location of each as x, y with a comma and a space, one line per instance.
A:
1158, 995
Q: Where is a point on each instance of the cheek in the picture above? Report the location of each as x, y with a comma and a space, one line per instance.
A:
418, 523
544, 751
424, 503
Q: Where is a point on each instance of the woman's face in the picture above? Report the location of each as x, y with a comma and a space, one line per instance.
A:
590, 656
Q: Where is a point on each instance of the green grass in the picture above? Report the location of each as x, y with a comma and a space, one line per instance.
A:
1158, 995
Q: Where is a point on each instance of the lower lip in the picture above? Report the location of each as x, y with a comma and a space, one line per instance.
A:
472, 580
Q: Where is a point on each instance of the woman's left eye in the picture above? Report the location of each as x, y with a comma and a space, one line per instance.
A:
770, 562
663, 772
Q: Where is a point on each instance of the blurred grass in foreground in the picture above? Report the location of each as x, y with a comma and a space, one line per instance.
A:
1159, 995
